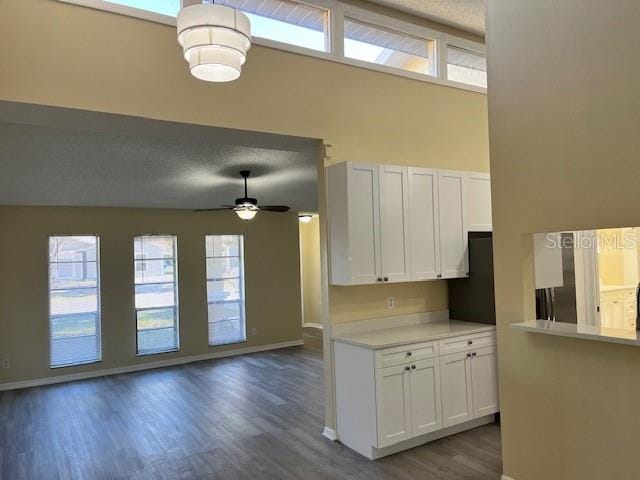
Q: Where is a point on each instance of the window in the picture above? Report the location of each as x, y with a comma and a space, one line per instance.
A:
156, 293
280, 20
466, 66
225, 288
381, 46
315, 28
74, 300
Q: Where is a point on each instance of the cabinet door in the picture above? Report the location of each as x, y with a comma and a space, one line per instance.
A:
364, 238
393, 404
455, 373
454, 260
426, 415
424, 237
484, 375
394, 223
479, 202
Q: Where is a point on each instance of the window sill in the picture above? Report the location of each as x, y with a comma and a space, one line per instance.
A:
79, 364
157, 352
229, 343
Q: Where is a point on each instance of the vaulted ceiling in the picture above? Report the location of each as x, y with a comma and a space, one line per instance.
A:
463, 14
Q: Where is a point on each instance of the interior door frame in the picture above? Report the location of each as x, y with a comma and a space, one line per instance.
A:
585, 254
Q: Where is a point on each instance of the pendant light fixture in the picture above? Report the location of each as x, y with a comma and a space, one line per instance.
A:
215, 40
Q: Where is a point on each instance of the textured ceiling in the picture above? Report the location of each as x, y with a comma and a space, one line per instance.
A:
53, 156
464, 14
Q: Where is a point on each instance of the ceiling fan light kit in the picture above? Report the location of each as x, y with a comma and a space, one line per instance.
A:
246, 207
214, 39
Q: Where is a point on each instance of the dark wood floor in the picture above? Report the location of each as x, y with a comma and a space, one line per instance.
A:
252, 417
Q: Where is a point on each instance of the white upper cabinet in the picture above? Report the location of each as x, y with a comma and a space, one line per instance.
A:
424, 237
354, 240
452, 198
394, 223
479, 202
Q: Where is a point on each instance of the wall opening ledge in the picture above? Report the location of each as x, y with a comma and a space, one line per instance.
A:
584, 332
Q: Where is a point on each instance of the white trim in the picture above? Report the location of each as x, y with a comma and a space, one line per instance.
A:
329, 433
504, 477
337, 11
319, 326
146, 366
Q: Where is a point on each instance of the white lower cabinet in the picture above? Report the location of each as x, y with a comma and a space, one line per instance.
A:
469, 385
456, 388
388, 396
393, 404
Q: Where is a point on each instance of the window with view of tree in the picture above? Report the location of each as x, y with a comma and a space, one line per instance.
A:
156, 293
225, 289
74, 300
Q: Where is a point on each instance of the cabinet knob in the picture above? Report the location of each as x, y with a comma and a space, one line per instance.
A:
470, 342
379, 279
439, 275
413, 367
386, 279
407, 368
473, 354
409, 354
468, 355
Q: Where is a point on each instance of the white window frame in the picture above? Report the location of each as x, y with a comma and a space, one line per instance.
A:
243, 298
335, 37
176, 301
98, 299
465, 44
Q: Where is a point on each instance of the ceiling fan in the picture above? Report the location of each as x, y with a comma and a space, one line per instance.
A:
246, 207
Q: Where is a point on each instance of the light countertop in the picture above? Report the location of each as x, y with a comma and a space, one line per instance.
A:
614, 288
601, 334
405, 335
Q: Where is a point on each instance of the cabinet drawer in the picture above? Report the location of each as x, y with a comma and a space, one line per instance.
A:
467, 342
389, 357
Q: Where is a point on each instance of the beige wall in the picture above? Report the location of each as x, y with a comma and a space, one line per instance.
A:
563, 105
272, 283
78, 57
310, 273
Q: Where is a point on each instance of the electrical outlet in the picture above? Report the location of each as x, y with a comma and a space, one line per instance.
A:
391, 302
5, 363
254, 331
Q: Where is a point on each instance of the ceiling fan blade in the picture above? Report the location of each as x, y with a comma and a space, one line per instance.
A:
274, 208
213, 209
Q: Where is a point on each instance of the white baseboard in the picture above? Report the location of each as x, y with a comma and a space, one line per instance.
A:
146, 366
329, 433
312, 325
504, 477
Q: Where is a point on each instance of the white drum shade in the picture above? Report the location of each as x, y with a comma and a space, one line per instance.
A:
215, 40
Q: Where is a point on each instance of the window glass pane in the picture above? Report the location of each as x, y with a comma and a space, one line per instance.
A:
74, 300
79, 300
222, 267
154, 247
280, 20
374, 44
156, 331
73, 275
154, 271
465, 66
155, 268
225, 289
